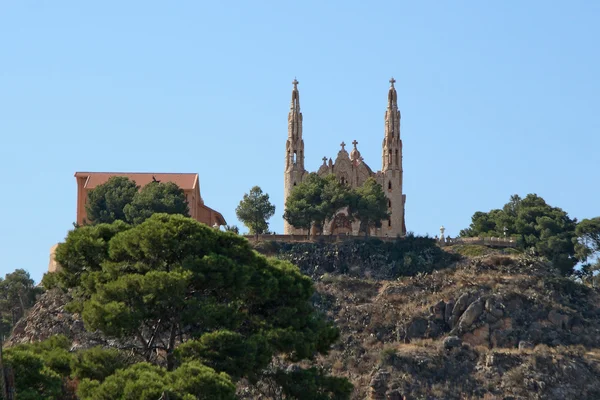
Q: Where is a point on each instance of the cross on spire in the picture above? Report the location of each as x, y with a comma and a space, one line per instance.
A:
343, 144
392, 81
354, 142
295, 83
324, 160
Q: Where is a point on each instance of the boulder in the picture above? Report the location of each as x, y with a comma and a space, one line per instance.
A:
451, 342
471, 314
417, 328
461, 305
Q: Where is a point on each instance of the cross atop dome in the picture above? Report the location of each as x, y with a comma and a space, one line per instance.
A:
354, 142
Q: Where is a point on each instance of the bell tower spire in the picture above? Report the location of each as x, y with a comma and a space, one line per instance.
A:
392, 144
392, 166
294, 150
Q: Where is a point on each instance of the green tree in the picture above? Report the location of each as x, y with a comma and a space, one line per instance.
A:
314, 201
172, 281
40, 369
535, 224
17, 295
369, 205
156, 197
107, 201
587, 248
254, 211
144, 381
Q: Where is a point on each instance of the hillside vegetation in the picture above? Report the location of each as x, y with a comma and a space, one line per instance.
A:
494, 326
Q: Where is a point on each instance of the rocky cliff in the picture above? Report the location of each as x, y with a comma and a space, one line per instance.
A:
490, 327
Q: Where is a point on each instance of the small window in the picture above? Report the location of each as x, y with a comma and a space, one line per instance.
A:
389, 222
389, 185
389, 204
294, 183
294, 159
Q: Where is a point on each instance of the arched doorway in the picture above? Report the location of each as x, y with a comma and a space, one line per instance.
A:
341, 225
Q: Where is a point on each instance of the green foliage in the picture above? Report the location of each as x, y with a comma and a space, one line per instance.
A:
369, 205
120, 199
172, 274
316, 200
588, 234
98, 363
144, 381
254, 211
39, 368
156, 197
106, 202
312, 384
81, 255
17, 295
229, 352
537, 225
233, 229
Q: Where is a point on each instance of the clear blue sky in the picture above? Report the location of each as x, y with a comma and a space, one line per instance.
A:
497, 98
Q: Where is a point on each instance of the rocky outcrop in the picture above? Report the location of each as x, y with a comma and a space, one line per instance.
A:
48, 317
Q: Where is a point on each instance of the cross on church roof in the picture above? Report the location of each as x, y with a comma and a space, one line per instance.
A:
354, 143
392, 81
295, 83
343, 144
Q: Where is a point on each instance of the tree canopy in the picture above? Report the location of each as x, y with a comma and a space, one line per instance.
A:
254, 211
185, 297
535, 224
156, 197
17, 294
120, 199
106, 202
317, 200
369, 205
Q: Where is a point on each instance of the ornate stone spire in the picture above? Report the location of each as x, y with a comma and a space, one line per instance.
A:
295, 103
295, 116
392, 145
392, 96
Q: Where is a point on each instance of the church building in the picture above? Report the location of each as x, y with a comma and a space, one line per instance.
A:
351, 169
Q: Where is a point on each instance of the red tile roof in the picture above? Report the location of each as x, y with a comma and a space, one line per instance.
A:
186, 181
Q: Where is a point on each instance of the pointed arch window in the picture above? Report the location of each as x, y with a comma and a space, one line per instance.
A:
390, 221
397, 163
389, 203
294, 157
389, 185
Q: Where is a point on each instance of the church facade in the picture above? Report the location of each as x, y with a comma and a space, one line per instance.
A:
351, 169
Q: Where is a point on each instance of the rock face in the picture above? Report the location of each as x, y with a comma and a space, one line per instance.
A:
48, 317
474, 331
483, 329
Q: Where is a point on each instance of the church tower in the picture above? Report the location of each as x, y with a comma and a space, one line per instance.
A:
391, 167
294, 151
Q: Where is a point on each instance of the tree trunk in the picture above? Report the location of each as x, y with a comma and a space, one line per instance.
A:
171, 348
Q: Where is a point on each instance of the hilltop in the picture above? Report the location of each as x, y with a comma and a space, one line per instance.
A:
489, 326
